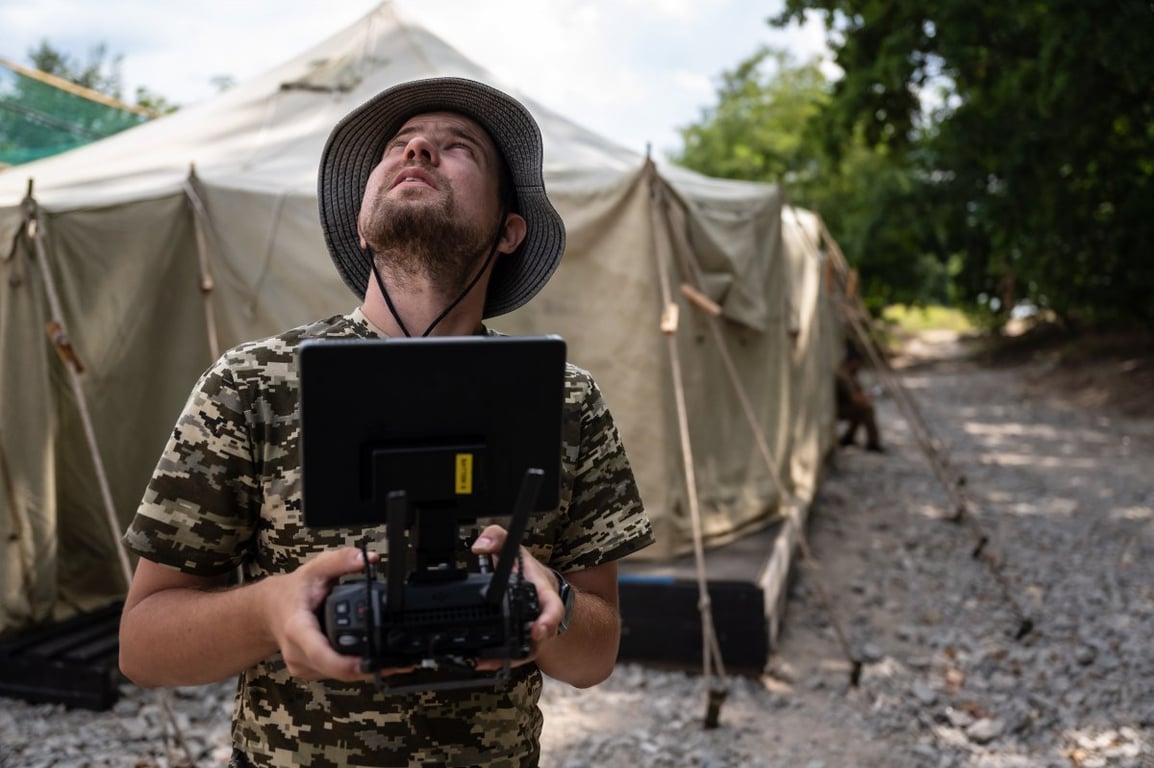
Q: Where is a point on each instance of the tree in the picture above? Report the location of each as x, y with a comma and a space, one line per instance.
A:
1032, 124
91, 75
42, 116
148, 99
100, 73
758, 130
764, 128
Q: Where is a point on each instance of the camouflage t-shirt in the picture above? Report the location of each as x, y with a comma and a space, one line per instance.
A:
227, 493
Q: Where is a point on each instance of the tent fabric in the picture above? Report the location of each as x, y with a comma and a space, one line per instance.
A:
120, 225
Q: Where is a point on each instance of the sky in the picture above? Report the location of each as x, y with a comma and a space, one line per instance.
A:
632, 70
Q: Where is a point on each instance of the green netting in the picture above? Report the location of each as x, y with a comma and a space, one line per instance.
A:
38, 120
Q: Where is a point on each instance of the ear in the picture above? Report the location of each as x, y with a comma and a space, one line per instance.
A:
513, 233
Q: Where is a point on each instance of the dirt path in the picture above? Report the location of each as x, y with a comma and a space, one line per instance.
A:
1064, 498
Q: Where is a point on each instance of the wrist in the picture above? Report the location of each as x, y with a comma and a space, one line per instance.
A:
568, 597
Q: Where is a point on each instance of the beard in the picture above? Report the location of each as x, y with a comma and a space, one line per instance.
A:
415, 239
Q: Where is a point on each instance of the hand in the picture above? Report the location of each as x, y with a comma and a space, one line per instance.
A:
291, 605
545, 627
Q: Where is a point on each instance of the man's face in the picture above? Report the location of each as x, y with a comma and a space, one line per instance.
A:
431, 204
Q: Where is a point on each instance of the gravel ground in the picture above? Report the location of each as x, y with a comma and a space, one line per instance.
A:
1064, 497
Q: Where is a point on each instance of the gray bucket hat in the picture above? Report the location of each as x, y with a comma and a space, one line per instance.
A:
355, 147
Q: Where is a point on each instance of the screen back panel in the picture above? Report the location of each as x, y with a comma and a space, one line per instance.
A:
454, 422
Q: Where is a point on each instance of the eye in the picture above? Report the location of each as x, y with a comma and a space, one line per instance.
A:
460, 145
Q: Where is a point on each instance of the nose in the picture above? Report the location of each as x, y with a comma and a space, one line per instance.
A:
420, 148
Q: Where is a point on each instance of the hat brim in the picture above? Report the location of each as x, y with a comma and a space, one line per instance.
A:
357, 143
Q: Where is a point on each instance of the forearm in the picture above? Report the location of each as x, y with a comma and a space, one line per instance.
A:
192, 636
585, 655
178, 629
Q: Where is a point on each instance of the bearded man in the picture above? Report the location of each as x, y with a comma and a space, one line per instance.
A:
433, 207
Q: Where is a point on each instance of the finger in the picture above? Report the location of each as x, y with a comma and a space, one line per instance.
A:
317, 576
390, 671
309, 655
325, 663
548, 621
492, 665
543, 629
338, 562
491, 540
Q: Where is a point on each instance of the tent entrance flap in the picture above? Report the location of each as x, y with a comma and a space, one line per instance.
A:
37, 232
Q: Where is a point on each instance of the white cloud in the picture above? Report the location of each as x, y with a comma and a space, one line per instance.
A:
673, 9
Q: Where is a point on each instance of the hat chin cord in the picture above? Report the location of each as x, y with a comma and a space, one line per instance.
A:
472, 283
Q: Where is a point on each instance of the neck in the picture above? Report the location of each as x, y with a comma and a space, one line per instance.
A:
418, 303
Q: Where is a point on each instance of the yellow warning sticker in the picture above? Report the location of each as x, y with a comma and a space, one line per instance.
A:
464, 474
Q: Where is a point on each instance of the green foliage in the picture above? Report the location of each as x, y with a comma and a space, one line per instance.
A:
148, 99
1031, 125
101, 73
763, 128
90, 75
40, 117
758, 130
929, 318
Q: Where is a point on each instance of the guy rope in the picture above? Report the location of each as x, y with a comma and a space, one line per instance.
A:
792, 507
856, 316
711, 651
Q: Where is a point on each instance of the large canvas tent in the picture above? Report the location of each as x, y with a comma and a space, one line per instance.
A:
145, 254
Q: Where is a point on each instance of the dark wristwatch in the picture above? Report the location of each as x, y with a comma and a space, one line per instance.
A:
567, 597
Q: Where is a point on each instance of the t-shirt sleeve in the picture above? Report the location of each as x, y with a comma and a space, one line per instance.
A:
606, 519
199, 510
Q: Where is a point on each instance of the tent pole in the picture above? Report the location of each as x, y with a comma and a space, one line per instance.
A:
60, 340
711, 651
201, 224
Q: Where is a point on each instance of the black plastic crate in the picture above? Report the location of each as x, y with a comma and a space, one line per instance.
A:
72, 662
661, 622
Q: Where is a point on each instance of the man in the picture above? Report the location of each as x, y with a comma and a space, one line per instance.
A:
433, 207
854, 405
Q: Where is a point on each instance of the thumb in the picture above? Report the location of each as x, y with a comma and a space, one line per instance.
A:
338, 562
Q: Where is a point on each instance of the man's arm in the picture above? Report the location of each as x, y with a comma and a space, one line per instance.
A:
182, 629
586, 653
